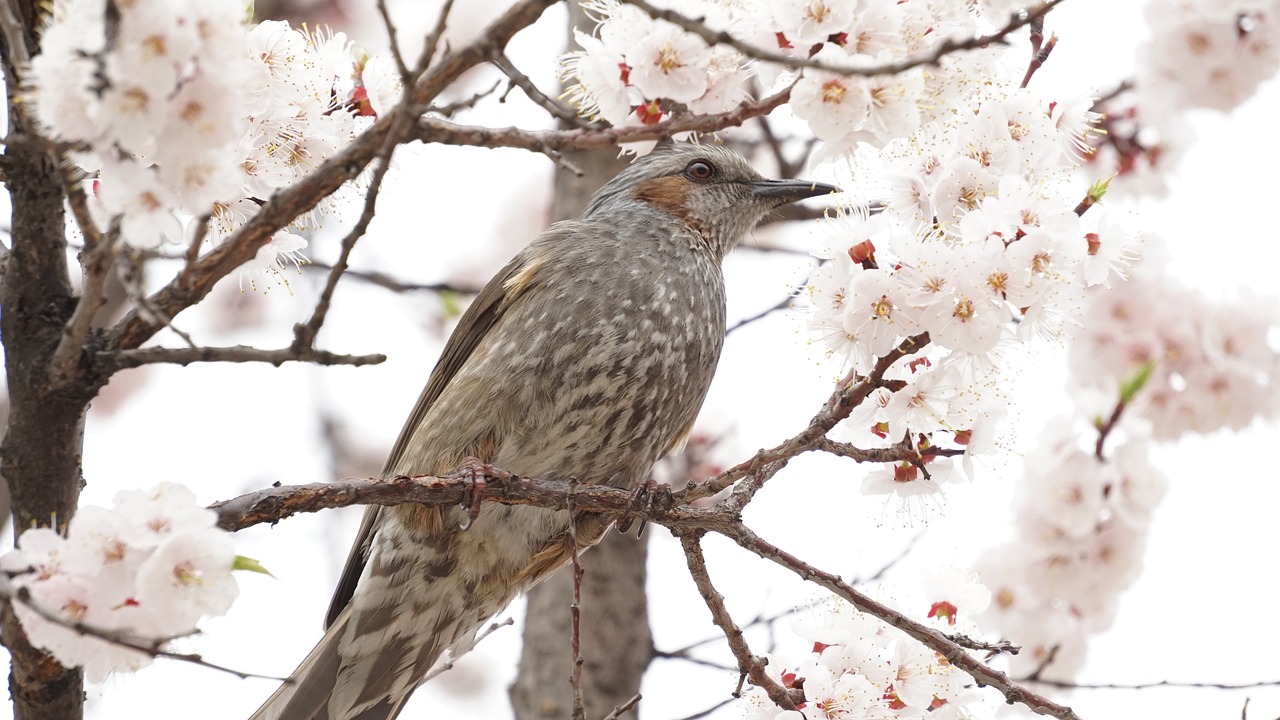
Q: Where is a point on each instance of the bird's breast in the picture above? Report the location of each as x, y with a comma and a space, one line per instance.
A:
621, 369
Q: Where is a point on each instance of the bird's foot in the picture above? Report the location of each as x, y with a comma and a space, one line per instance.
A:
645, 493
475, 473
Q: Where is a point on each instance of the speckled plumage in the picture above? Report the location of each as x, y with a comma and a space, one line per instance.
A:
587, 356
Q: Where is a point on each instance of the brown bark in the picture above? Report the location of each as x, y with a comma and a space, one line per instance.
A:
40, 457
616, 644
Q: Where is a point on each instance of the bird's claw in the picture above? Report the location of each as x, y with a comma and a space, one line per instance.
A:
475, 473
644, 493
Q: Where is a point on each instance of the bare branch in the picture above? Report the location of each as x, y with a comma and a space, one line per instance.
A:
707, 711
122, 359
557, 109
1040, 50
486, 632
617, 711
97, 258
393, 41
901, 452
384, 280
944, 48
453, 108
748, 664
766, 463
304, 334
687, 522
575, 611
1069, 685
936, 641
782, 304
432, 130
432, 41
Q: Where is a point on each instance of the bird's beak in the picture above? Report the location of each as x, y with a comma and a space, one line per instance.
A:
789, 191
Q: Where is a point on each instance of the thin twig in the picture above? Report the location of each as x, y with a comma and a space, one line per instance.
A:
130, 274
934, 640
1070, 685
432, 41
486, 632
769, 620
304, 334
557, 109
192, 284
197, 241
453, 108
1104, 430
898, 452
383, 280
98, 256
766, 463
1039, 49
575, 611
618, 710
748, 664
782, 304
707, 711
152, 647
393, 40
941, 50
122, 359
433, 130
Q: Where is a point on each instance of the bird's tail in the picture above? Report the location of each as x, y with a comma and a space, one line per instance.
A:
422, 595
305, 695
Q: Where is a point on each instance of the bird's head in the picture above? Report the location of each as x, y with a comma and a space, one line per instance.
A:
711, 189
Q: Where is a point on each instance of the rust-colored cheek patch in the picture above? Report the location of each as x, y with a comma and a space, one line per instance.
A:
669, 194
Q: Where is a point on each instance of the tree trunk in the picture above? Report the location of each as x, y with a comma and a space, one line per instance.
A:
616, 644
40, 457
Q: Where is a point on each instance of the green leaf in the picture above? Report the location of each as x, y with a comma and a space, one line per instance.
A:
1135, 382
1098, 189
247, 563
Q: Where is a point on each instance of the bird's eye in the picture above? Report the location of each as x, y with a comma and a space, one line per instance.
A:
700, 170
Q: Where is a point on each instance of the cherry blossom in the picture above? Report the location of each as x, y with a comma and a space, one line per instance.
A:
149, 569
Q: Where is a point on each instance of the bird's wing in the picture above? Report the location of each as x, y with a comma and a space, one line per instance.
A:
480, 317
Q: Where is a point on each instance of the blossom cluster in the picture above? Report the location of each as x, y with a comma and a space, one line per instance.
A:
1164, 362
147, 569
633, 64
986, 239
1213, 365
860, 668
1201, 54
189, 111
636, 70
1207, 53
1082, 521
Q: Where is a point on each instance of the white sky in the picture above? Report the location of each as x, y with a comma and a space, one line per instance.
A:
1200, 612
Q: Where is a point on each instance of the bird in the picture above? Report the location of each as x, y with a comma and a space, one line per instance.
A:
587, 358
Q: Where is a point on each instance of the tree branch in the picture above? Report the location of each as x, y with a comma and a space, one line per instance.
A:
432, 130
944, 48
123, 359
556, 109
193, 283
748, 664
685, 521
930, 638
766, 463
